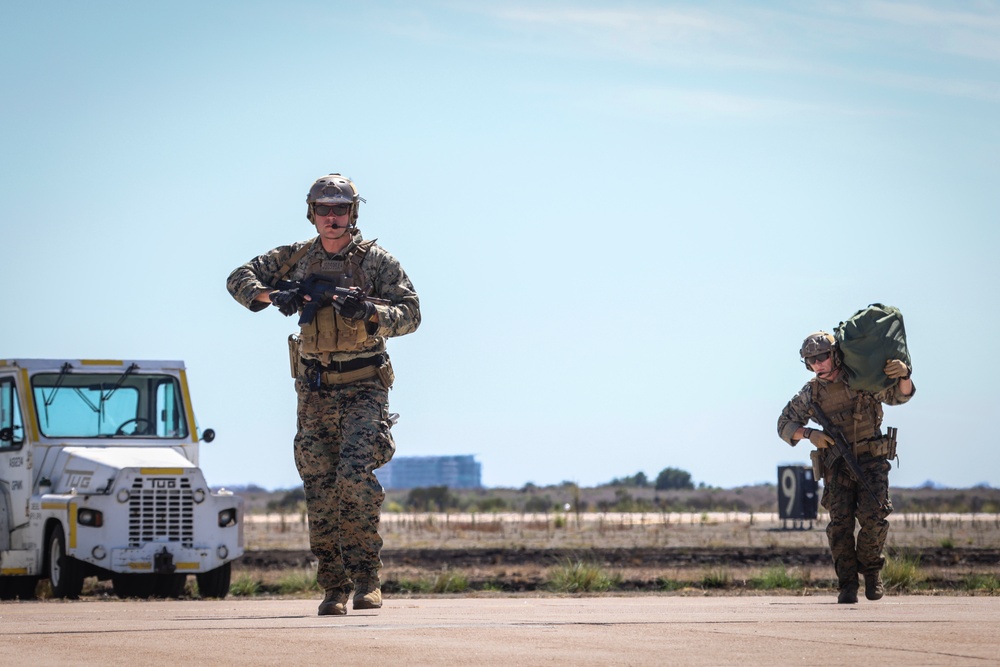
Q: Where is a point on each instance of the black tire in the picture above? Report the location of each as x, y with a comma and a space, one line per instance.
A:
133, 585
65, 572
170, 585
12, 588
215, 583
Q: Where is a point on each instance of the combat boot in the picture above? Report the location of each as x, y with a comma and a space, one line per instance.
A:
874, 588
367, 595
334, 604
848, 595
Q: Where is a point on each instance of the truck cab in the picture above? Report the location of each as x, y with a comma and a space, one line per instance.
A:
99, 477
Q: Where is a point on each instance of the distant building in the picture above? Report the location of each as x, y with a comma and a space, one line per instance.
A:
411, 472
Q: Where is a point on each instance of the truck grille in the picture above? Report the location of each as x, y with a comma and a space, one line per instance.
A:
161, 509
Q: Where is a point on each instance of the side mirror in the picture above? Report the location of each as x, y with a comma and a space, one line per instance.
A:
6, 434
208, 435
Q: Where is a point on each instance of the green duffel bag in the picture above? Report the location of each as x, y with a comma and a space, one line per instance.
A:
867, 341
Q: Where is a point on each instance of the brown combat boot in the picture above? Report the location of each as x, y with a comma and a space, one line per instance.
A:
367, 595
848, 595
334, 604
874, 588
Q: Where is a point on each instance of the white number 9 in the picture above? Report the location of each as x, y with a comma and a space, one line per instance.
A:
789, 485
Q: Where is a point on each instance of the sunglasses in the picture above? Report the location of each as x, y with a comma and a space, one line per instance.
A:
818, 359
335, 209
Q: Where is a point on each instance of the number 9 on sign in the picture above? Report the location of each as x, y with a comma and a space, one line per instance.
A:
797, 491
789, 485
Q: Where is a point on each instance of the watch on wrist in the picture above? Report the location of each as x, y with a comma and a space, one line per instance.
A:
806, 432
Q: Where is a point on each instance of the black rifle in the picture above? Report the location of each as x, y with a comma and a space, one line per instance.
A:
321, 291
841, 448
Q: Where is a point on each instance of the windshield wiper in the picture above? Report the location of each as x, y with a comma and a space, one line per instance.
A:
118, 384
59, 380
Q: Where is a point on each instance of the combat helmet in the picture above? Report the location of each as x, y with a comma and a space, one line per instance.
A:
334, 189
818, 343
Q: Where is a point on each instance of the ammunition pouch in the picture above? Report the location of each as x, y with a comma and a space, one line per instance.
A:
329, 332
880, 448
385, 374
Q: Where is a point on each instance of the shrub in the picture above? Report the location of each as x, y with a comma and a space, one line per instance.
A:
299, 581
720, 578
776, 578
580, 577
903, 573
980, 582
244, 585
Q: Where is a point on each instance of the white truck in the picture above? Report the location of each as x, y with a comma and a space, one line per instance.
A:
99, 477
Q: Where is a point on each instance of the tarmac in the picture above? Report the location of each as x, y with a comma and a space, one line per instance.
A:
636, 630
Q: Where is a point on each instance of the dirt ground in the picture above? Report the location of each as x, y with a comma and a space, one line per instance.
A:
516, 552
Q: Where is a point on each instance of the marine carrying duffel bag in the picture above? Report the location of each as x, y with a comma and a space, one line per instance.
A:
867, 341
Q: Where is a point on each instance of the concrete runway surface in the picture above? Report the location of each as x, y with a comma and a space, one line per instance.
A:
640, 630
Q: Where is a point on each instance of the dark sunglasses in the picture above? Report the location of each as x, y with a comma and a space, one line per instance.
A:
335, 209
818, 359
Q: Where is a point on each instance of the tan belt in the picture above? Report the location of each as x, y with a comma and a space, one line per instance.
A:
329, 377
876, 448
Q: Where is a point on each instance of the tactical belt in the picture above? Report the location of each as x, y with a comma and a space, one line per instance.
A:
351, 376
353, 364
343, 372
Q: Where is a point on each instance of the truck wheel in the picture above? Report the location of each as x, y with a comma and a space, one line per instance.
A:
133, 585
65, 573
170, 585
18, 587
215, 583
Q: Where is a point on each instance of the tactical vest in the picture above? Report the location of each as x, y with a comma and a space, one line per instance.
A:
329, 332
858, 414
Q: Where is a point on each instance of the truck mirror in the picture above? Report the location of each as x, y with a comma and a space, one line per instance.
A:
208, 435
6, 434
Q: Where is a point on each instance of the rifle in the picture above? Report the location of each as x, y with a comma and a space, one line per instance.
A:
842, 449
321, 291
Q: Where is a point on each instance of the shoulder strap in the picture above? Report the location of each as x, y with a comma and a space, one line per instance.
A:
294, 259
360, 251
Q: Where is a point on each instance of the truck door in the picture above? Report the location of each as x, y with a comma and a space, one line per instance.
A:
15, 465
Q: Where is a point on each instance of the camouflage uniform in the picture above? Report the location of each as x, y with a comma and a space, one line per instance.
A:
858, 415
343, 429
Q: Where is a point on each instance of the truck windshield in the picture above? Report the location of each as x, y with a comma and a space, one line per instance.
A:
109, 405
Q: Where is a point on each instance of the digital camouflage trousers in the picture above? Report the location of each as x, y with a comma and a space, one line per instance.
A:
343, 436
849, 502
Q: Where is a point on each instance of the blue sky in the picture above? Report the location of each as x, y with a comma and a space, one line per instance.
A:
622, 218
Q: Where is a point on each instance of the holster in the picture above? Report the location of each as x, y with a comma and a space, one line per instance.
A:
294, 358
818, 464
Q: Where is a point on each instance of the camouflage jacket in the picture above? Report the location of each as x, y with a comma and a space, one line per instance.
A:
384, 278
867, 408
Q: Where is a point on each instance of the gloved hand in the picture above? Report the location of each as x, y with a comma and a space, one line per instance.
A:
895, 368
351, 307
820, 439
287, 302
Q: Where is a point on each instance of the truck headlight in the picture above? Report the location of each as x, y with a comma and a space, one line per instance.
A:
89, 517
227, 517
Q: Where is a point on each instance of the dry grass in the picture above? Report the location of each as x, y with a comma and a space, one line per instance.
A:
615, 530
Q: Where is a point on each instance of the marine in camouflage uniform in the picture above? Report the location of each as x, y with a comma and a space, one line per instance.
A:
342, 377
858, 416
